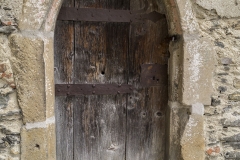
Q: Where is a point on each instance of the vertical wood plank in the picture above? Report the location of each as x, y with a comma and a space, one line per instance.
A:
146, 106
63, 67
100, 121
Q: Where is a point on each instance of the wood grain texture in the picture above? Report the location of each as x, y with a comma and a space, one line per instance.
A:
100, 121
111, 127
147, 105
63, 67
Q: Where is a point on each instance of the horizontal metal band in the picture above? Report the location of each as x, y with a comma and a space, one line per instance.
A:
91, 89
106, 15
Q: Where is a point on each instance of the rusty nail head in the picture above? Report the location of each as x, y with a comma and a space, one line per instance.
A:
93, 85
58, 90
68, 86
93, 92
118, 92
119, 85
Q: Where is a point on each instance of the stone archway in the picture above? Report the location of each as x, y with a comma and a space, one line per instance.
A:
32, 64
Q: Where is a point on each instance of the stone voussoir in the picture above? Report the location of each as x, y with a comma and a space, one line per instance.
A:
28, 66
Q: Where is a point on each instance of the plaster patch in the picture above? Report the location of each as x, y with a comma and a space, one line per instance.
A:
43, 124
197, 108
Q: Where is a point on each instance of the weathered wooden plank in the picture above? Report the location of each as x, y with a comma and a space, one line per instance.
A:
63, 63
146, 107
100, 120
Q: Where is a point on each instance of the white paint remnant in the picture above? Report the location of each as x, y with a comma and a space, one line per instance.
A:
191, 123
43, 124
193, 48
189, 20
197, 108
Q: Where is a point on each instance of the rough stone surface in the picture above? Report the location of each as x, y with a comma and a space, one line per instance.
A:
49, 72
35, 144
197, 86
197, 108
226, 61
235, 96
236, 83
217, 21
192, 142
10, 113
34, 14
178, 118
28, 65
223, 8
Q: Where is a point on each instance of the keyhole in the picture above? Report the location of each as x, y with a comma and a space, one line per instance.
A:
153, 77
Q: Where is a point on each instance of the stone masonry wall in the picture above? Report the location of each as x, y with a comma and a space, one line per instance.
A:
219, 21
10, 113
27, 129
27, 124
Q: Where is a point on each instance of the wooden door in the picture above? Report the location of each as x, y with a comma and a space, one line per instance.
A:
127, 126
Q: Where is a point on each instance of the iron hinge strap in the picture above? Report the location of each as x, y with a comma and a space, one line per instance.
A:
106, 15
91, 89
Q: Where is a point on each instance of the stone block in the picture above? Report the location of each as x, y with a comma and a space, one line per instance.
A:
188, 19
198, 67
236, 83
51, 142
52, 15
7, 29
173, 17
34, 144
233, 138
230, 123
28, 68
178, 118
193, 142
34, 14
222, 89
219, 44
232, 155
215, 101
223, 8
197, 108
213, 150
49, 75
226, 61
234, 96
